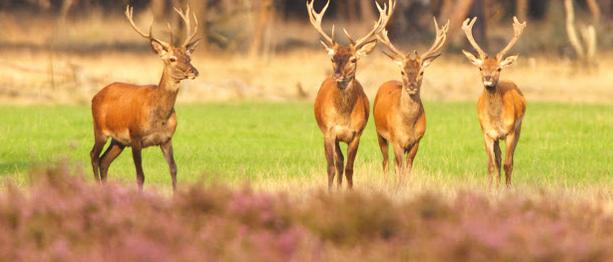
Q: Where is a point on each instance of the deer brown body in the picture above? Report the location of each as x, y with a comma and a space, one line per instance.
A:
341, 106
142, 116
501, 106
399, 114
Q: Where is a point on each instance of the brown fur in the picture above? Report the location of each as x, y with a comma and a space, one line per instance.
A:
501, 106
501, 111
141, 116
342, 115
400, 119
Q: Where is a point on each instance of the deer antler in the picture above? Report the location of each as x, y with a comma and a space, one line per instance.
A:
439, 41
467, 27
190, 32
130, 15
396, 53
385, 13
316, 19
518, 29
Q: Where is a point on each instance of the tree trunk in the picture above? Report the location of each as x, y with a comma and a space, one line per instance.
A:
595, 10
366, 13
261, 41
521, 9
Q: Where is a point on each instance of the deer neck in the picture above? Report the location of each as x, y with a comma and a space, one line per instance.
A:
166, 95
410, 105
347, 97
493, 100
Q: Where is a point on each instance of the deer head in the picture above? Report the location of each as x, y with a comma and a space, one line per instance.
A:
345, 57
177, 59
491, 67
412, 65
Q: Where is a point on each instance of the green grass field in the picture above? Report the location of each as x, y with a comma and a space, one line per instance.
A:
561, 145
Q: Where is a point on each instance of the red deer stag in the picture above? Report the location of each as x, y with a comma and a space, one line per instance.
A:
501, 106
341, 107
143, 116
399, 113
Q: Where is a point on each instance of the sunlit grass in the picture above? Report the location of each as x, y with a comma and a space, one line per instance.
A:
279, 146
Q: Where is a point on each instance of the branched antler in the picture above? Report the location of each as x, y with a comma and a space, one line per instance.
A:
130, 15
316, 19
518, 29
439, 41
190, 32
385, 40
467, 27
385, 13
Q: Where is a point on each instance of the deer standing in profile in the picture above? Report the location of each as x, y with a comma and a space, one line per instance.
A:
341, 107
142, 116
398, 111
501, 106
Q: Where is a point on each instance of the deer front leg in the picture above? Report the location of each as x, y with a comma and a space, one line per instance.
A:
339, 162
399, 154
511, 142
492, 165
352, 151
168, 153
138, 164
329, 150
411, 156
383, 145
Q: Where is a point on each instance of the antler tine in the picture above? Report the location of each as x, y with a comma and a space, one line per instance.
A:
316, 19
439, 41
190, 32
130, 15
518, 29
467, 27
385, 13
383, 38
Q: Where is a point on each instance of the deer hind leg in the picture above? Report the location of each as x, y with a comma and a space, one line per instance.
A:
511, 144
138, 164
108, 157
339, 161
384, 146
95, 154
352, 151
411, 156
168, 153
329, 150
492, 166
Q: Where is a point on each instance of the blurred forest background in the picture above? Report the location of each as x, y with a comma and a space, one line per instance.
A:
55, 35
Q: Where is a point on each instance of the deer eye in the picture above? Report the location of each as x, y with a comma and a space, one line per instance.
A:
422, 73
353, 60
499, 69
172, 59
402, 73
480, 69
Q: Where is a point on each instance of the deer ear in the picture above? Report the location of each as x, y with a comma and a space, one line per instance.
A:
472, 58
191, 47
428, 60
508, 61
367, 48
330, 50
159, 48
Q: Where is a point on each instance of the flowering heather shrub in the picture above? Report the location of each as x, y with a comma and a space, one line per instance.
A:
62, 217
